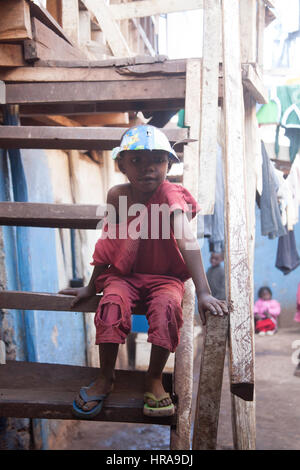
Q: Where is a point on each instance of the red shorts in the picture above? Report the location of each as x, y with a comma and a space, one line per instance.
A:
162, 297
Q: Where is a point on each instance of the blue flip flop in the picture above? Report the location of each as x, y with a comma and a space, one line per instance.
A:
80, 413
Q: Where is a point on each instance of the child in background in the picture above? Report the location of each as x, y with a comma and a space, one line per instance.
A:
216, 276
266, 311
146, 268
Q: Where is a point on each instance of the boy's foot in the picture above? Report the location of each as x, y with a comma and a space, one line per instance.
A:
270, 332
157, 401
101, 386
262, 333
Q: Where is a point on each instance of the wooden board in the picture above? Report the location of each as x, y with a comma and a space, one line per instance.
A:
71, 109
48, 45
84, 138
52, 302
35, 214
209, 105
42, 14
93, 72
254, 84
210, 383
33, 390
183, 383
140, 9
11, 55
237, 265
14, 20
103, 16
95, 92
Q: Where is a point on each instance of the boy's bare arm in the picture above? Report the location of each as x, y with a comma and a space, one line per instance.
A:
84, 292
190, 250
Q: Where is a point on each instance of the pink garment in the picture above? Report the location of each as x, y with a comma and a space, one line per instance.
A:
151, 270
297, 315
271, 306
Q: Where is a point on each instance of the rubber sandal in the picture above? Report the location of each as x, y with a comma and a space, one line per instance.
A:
80, 413
158, 411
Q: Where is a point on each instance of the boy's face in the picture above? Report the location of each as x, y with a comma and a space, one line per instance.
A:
145, 169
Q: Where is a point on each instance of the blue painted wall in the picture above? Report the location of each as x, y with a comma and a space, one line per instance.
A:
31, 265
59, 336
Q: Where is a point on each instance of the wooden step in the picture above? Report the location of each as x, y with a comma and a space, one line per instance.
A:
34, 390
19, 300
34, 214
81, 138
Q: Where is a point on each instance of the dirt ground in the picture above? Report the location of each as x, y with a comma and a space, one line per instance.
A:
277, 407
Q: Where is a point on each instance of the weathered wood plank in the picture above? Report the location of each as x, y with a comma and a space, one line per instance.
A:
44, 301
248, 30
95, 92
42, 14
183, 376
101, 11
236, 240
15, 20
140, 9
52, 302
84, 138
48, 45
35, 214
70, 19
209, 105
254, 84
47, 391
92, 72
210, 383
261, 21
11, 55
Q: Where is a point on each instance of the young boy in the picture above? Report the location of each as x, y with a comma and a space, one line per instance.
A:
216, 276
137, 259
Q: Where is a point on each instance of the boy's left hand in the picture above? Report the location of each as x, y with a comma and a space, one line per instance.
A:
213, 305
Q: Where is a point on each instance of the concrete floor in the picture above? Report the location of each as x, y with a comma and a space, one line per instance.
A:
277, 407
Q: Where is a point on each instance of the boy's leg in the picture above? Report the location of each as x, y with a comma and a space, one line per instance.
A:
108, 354
113, 322
153, 383
164, 316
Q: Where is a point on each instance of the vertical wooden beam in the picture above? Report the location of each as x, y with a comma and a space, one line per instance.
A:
261, 23
70, 19
183, 371
54, 8
210, 383
248, 31
237, 263
209, 105
244, 424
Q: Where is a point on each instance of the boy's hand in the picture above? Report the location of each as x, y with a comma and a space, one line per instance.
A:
213, 305
79, 293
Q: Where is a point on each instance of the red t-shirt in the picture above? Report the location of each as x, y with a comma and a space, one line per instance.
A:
156, 254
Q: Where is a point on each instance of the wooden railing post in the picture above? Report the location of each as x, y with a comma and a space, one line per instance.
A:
183, 386
237, 262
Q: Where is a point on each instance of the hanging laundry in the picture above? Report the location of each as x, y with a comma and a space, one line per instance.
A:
271, 224
287, 258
